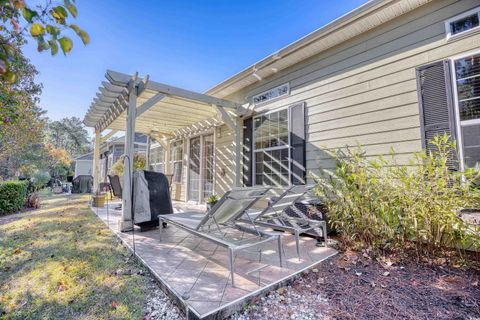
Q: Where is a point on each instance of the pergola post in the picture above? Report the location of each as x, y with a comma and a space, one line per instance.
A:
127, 224
96, 161
147, 153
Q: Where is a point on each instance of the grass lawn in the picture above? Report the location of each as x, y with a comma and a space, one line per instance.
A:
61, 262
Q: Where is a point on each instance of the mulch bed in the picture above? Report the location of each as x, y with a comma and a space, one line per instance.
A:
358, 287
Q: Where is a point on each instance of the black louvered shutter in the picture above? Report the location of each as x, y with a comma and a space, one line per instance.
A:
435, 98
297, 142
247, 152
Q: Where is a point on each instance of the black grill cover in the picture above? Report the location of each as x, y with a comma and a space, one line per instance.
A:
82, 184
151, 194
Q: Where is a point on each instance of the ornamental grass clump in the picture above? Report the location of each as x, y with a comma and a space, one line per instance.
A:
381, 205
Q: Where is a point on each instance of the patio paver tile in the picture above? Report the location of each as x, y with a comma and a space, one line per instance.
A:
197, 270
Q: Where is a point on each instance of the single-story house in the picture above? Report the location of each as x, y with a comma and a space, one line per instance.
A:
391, 73
83, 165
110, 151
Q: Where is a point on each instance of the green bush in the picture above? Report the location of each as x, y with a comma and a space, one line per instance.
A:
40, 179
139, 163
12, 196
380, 205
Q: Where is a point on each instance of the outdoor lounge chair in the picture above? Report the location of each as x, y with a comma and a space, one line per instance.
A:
275, 215
215, 224
116, 189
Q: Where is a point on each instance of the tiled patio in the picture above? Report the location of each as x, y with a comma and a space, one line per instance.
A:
194, 272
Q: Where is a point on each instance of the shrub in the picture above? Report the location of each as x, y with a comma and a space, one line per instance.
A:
380, 205
40, 179
139, 163
12, 196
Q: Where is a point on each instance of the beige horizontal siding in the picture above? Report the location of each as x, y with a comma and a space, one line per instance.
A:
399, 159
364, 91
224, 160
390, 136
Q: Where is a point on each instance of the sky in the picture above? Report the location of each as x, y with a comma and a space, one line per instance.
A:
189, 44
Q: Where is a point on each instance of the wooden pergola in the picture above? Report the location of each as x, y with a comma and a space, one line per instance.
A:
128, 103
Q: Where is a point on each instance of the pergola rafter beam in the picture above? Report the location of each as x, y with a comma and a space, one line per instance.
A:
108, 135
113, 88
150, 103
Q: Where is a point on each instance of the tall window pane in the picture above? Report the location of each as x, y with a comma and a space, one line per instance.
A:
271, 149
176, 157
194, 169
208, 168
467, 72
157, 158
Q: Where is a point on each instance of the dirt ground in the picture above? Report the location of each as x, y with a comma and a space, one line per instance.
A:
353, 286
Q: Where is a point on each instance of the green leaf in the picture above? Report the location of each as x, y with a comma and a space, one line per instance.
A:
85, 37
82, 34
59, 14
66, 44
75, 28
29, 14
53, 47
10, 77
72, 9
36, 29
42, 45
54, 31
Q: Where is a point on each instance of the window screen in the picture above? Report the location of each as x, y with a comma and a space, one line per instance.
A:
467, 79
271, 149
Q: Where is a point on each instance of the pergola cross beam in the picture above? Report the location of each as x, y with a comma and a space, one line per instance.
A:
149, 103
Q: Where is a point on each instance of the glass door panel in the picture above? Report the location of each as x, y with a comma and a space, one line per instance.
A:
207, 166
194, 170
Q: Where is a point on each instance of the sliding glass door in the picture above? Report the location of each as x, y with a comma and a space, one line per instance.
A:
201, 168
194, 169
207, 166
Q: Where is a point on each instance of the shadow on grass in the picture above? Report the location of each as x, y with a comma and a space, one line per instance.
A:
61, 262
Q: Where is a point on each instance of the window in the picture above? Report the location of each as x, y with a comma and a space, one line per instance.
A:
271, 149
157, 158
467, 84
208, 168
465, 22
176, 157
272, 94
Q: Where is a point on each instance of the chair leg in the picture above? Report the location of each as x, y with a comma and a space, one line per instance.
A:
324, 230
297, 243
280, 256
231, 261
160, 229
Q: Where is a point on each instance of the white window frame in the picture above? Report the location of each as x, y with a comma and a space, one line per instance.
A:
172, 161
458, 123
448, 28
288, 146
157, 145
272, 99
187, 184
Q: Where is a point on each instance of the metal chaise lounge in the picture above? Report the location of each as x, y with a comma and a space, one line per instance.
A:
275, 216
216, 224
